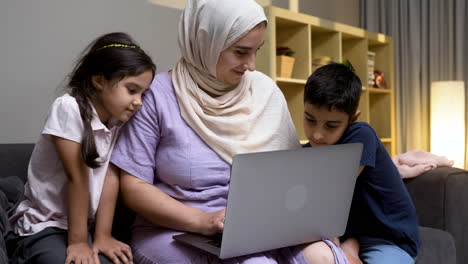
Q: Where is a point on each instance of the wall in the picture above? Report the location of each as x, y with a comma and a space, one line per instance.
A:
41, 39
343, 11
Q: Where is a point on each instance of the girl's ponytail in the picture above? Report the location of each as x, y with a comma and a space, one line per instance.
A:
89, 152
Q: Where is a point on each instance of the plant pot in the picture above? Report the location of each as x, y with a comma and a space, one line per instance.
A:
284, 66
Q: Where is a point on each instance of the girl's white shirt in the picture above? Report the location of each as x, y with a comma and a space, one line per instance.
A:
45, 195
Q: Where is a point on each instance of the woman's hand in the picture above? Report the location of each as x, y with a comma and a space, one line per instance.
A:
211, 223
81, 253
115, 250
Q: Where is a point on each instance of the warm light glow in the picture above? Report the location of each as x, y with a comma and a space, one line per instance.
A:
448, 120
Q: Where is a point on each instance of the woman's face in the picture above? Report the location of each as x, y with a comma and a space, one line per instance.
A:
240, 56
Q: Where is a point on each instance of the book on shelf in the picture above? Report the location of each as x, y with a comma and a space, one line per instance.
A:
370, 69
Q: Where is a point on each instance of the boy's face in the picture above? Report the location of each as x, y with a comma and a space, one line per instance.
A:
324, 127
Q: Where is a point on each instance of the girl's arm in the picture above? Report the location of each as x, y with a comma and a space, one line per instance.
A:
103, 241
161, 209
76, 170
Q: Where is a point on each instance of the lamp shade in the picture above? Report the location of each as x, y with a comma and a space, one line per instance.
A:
448, 120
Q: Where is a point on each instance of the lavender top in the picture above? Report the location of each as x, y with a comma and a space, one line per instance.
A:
157, 146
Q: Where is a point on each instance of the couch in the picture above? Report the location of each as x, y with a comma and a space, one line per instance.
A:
440, 197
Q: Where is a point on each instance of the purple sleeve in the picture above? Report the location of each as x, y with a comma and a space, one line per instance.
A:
136, 146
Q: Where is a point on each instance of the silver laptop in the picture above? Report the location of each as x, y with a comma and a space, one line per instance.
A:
283, 198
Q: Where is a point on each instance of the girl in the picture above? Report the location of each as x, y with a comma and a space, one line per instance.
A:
70, 189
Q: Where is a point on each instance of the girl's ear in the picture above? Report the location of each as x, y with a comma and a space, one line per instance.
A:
355, 116
98, 82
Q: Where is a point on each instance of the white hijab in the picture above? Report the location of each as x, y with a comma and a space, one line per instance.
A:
250, 117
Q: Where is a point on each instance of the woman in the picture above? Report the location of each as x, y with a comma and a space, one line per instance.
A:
175, 154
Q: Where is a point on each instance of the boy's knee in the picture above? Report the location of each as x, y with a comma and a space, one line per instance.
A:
318, 252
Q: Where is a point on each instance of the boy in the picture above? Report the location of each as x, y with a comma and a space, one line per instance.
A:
382, 225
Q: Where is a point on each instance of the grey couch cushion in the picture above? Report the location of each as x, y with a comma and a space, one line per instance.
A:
14, 160
441, 199
437, 247
11, 193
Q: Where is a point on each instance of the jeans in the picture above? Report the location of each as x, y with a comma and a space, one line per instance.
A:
381, 251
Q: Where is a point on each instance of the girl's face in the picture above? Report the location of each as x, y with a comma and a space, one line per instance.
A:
120, 99
240, 56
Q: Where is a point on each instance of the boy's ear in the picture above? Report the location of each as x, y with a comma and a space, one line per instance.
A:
355, 116
98, 82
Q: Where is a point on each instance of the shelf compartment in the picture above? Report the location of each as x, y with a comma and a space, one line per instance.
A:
294, 94
364, 107
296, 36
383, 59
355, 50
325, 42
380, 113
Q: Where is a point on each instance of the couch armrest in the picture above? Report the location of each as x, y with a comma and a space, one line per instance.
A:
441, 200
438, 247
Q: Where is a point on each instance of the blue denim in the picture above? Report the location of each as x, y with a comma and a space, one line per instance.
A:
381, 251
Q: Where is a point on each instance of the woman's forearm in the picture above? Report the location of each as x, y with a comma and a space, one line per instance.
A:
158, 207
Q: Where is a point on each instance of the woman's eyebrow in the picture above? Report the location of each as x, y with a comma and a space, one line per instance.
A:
244, 47
247, 47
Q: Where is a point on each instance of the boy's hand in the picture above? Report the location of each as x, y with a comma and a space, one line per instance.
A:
353, 260
80, 253
115, 250
335, 241
351, 249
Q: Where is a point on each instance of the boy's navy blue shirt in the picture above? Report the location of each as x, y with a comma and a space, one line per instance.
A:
381, 205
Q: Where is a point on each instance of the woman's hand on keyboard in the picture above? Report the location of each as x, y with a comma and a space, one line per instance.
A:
211, 223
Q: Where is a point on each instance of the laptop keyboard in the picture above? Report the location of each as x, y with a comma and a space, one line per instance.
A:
215, 240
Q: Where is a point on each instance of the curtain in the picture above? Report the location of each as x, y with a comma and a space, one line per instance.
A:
430, 44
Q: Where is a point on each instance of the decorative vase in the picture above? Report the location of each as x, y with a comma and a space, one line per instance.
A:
284, 66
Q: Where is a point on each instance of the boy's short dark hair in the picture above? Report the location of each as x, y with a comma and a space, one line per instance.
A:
335, 86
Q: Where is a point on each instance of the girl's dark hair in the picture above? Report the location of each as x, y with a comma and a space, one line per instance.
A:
335, 86
112, 56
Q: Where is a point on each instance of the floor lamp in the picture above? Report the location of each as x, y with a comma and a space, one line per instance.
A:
448, 120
